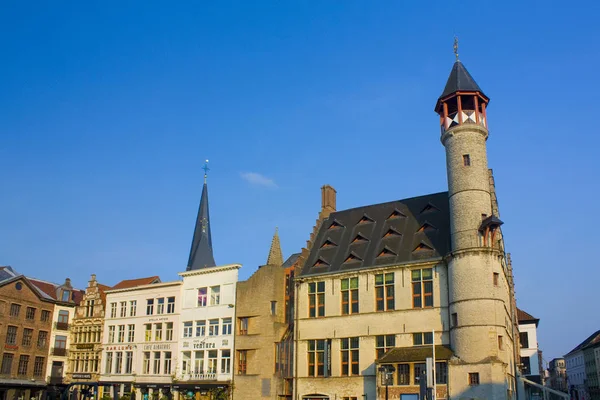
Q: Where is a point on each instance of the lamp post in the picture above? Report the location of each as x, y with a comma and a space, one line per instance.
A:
387, 376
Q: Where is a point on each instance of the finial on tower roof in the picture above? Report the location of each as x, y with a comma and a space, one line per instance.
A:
456, 47
206, 169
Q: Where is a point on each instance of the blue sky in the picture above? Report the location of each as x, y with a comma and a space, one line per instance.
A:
108, 109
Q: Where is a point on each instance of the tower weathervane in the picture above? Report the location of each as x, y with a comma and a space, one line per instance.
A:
206, 169
456, 47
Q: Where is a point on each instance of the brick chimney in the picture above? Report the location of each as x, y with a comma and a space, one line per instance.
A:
328, 194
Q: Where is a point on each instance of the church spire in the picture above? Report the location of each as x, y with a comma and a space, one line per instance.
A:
275, 256
201, 253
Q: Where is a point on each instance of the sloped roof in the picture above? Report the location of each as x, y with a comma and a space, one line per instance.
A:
524, 317
50, 289
201, 252
415, 353
460, 80
7, 272
291, 260
348, 241
41, 294
587, 341
130, 283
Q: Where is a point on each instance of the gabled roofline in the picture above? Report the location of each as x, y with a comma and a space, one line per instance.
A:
31, 286
143, 287
209, 270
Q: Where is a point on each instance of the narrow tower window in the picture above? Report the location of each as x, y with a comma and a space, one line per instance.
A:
467, 160
496, 278
454, 320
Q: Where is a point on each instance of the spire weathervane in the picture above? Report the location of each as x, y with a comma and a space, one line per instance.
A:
456, 47
206, 169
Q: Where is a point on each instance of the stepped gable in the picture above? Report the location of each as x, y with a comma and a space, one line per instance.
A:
382, 234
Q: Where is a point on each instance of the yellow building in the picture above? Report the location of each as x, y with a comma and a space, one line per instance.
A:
384, 284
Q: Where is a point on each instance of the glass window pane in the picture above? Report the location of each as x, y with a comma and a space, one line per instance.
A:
344, 344
379, 279
389, 278
354, 283
416, 274
321, 286
311, 345
311, 288
390, 341
428, 337
427, 273
417, 339
354, 342
380, 340
345, 284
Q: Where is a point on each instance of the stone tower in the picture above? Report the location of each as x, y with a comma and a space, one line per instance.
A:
480, 306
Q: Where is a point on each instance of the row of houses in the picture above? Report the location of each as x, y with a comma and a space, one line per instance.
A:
377, 293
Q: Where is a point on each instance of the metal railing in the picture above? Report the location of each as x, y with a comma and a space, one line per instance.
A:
59, 351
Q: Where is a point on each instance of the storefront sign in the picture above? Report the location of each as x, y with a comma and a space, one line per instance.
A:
204, 346
157, 346
127, 347
85, 346
158, 319
82, 376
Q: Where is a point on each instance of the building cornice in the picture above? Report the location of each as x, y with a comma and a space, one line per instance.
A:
144, 287
210, 270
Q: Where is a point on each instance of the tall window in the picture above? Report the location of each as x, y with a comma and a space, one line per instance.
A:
45, 316
149, 306
7, 361
158, 332
419, 370
132, 308
118, 362
316, 299
146, 363
128, 362
30, 313
27, 336
226, 326
384, 291
202, 296
42, 339
121, 337
11, 335
213, 327
243, 323
108, 365
156, 367
383, 344
350, 356
242, 361
169, 333
350, 296
60, 342
199, 362
215, 295
316, 357
185, 363
113, 310
170, 305
524, 339
38, 366
167, 366
23, 364
15, 309
421, 338
187, 329
147, 332
89, 308
403, 374
123, 309
131, 333
111, 334
441, 373
225, 361
160, 306
422, 287
66, 295
212, 361
201, 328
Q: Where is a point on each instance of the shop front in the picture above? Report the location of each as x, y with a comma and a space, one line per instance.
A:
201, 391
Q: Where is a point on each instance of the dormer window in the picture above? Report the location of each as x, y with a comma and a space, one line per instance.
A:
65, 295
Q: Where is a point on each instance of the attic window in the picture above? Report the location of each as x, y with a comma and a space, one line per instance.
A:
396, 214
387, 252
360, 239
335, 224
429, 208
422, 247
352, 257
426, 227
321, 263
328, 243
391, 233
365, 219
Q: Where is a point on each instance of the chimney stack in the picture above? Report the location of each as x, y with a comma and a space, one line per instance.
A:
328, 199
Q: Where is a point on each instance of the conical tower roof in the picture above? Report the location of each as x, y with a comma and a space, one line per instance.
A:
201, 253
460, 80
275, 255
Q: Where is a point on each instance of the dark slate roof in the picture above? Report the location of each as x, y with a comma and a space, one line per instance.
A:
524, 317
460, 80
201, 253
416, 353
397, 232
291, 260
585, 342
7, 273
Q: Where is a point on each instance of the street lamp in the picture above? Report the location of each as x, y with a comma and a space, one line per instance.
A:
387, 377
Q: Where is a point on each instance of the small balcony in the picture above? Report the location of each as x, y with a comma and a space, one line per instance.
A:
204, 376
59, 351
61, 326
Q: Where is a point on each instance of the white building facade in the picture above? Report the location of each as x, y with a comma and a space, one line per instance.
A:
139, 342
206, 332
529, 352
